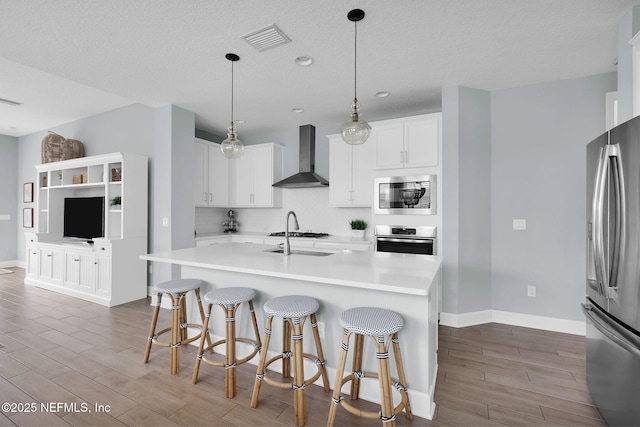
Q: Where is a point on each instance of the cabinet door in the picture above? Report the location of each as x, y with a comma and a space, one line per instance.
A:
79, 271
32, 261
218, 177
388, 140
362, 187
201, 190
51, 263
340, 172
242, 179
262, 168
102, 272
421, 141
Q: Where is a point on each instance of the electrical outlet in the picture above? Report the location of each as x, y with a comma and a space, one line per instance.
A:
321, 329
165, 222
519, 224
531, 291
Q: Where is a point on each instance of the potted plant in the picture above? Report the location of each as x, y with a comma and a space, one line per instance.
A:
358, 227
116, 201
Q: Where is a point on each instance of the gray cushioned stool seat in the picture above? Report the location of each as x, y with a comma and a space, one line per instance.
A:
291, 306
229, 296
371, 321
178, 285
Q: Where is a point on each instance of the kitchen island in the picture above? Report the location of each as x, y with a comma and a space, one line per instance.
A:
406, 283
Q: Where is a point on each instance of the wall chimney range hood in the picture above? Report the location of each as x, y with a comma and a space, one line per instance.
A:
307, 177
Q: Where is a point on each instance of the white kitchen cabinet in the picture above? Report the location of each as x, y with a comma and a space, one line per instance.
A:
339, 246
32, 255
409, 142
211, 184
253, 174
351, 173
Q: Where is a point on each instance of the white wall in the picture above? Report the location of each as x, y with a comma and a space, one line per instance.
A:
10, 193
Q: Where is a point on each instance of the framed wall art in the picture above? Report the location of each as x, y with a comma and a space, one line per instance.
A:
27, 218
27, 192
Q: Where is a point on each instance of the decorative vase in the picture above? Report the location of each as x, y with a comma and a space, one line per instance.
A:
357, 234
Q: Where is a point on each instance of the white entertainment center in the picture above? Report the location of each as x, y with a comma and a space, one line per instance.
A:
106, 270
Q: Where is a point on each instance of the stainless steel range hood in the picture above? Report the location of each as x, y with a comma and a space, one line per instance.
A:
307, 177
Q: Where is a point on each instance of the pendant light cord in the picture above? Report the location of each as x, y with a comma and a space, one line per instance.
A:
355, 60
231, 91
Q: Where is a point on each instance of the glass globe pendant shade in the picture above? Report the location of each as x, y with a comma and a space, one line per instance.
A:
232, 147
355, 131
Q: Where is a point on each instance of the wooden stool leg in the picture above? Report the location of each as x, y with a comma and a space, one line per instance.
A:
230, 356
152, 331
286, 349
321, 359
356, 366
183, 316
174, 345
299, 401
255, 325
261, 363
401, 376
386, 399
200, 308
337, 385
205, 327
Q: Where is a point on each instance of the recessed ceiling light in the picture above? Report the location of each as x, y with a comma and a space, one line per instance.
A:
297, 110
382, 94
304, 61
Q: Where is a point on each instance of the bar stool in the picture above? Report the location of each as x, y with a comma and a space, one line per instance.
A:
377, 323
229, 299
177, 290
293, 310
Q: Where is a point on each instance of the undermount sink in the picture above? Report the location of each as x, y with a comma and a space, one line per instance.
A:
299, 252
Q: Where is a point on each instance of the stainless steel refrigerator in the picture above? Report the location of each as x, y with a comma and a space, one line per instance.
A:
613, 273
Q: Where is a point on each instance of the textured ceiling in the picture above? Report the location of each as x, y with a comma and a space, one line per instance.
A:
69, 59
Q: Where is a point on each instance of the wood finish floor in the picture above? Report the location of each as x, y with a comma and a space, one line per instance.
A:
63, 351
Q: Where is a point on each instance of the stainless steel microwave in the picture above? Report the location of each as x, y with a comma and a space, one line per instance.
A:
405, 195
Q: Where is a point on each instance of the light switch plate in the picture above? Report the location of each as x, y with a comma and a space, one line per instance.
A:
519, 224
5, 217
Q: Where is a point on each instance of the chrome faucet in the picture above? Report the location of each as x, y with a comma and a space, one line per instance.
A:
287, 247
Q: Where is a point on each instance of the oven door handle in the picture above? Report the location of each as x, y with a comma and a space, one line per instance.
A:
402, 240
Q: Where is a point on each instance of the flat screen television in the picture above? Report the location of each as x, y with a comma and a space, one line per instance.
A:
83, 217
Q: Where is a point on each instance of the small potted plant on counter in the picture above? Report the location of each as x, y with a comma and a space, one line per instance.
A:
116, 201
358, 227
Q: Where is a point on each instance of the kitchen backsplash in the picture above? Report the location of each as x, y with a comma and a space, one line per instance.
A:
311, 206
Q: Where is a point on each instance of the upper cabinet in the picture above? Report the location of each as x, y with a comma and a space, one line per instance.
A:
406, 143
211, 175
253, 174
351, 173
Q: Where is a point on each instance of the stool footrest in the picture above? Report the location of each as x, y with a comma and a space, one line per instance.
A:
209, 349
155, 337
369, 414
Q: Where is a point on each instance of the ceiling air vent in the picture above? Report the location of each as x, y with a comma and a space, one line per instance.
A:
266, 38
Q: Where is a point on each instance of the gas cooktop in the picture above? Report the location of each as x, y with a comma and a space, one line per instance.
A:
300, 234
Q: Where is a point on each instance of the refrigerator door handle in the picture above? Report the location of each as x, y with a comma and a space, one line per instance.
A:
620, 230
597, 207
602, 325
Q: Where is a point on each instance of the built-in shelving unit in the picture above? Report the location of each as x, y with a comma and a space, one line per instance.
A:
108, 270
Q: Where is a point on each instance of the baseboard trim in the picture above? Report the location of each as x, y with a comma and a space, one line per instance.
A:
14, 263
462, 320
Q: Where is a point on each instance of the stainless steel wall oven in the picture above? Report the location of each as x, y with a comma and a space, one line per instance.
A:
408, 240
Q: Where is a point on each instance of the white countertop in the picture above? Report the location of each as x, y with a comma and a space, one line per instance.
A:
391, 272
328, 239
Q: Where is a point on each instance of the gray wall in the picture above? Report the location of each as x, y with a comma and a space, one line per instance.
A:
539, 135
10, 193
466, 199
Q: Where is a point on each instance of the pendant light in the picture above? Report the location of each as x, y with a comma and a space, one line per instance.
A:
232, 147
356, 131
